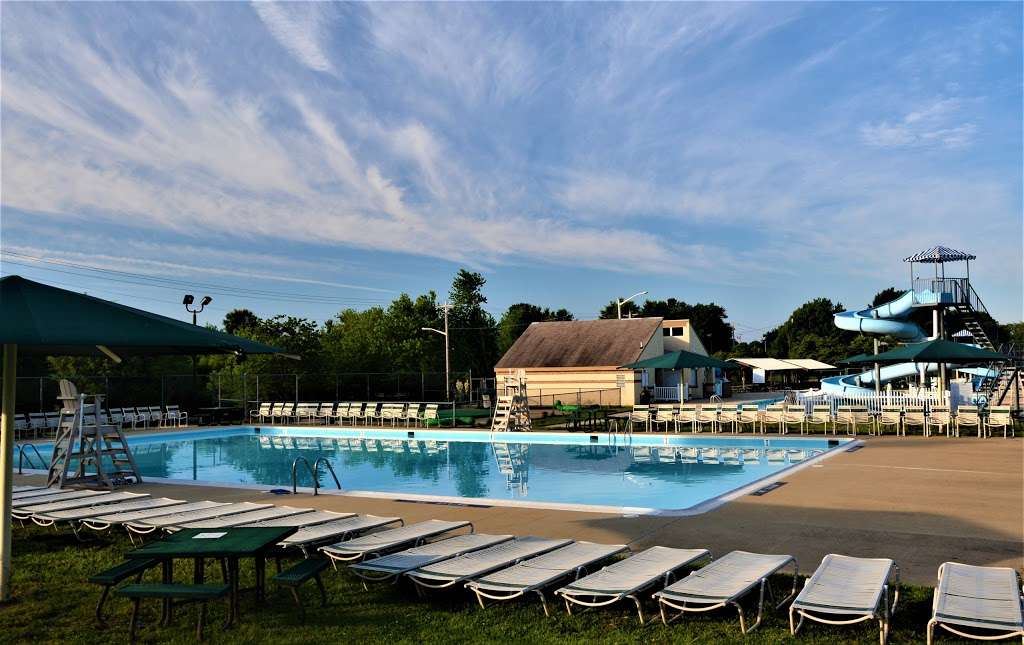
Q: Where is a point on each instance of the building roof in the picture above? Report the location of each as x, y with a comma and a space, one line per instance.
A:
810, 364
581, 343
778, 365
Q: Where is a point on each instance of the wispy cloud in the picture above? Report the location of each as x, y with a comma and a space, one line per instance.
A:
933, 124
299, 28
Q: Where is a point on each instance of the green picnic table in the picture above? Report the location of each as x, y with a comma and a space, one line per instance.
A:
231, 544
462, 415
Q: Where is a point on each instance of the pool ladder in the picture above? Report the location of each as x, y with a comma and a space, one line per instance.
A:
314, 470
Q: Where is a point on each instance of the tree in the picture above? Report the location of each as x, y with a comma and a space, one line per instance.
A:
237, 319
521, 315
474, 339
611, 310
708, 320
886, 295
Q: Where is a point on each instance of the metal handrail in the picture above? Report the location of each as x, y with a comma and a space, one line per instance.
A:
330, 469
314, 470
21, 456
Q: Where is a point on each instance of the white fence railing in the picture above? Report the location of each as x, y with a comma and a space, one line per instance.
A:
874, 403
666, 393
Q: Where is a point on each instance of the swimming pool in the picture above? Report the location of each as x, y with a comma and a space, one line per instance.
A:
681, 474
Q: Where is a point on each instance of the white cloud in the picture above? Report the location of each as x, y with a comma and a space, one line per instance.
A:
298, 27
932, 124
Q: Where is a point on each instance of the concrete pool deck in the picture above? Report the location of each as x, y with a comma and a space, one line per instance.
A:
919, 501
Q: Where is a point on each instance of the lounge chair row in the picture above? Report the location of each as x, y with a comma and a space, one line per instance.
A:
796, 417
971, 601
355, 413
39, 424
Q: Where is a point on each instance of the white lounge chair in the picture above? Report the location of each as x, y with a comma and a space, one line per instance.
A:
33, 491
850, 417
640, 415
795, 415
723, 583
77, 516
249, 517
536, 574
302, 520
175, 415
821, 415
26, 512
390, 540
707, 415
968, 416
914, 417
32, 500
664, 415
845, 590
176, 517
310, 537
394, 565
891, 416
479, 563
979, 598
629, 578
774, 415
999, 416
940, 420
117, 518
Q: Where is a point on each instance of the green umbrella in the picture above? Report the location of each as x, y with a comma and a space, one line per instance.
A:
933, 351
678, 360
39, 318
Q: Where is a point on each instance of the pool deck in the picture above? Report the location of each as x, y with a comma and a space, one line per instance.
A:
918, 501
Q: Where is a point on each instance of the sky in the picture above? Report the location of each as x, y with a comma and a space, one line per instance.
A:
301, 158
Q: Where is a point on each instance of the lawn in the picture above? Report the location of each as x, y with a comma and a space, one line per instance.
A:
53, 603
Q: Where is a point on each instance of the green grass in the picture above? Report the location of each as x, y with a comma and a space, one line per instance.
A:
53, 603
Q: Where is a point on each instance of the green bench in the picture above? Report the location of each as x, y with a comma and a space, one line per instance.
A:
115, 575
170, 593
295, 576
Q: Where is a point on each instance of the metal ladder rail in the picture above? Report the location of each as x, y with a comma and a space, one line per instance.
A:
314, 470
20, 449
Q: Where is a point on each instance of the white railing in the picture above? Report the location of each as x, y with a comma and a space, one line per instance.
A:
875, 403
666, 393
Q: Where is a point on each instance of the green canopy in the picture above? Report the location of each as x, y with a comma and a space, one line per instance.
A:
46, 320
678, 360
38, 318
933, 351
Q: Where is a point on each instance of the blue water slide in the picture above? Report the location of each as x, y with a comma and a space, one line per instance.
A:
889, 319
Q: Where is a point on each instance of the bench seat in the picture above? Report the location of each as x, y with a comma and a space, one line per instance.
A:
296, 575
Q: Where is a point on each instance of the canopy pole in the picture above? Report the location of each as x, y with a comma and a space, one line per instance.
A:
7, 466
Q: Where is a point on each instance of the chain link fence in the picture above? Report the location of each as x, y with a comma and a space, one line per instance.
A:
244, 391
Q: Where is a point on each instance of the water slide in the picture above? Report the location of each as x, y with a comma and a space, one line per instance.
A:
889, 319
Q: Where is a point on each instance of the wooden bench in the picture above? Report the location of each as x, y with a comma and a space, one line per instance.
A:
170, 593
116, 575
297, 575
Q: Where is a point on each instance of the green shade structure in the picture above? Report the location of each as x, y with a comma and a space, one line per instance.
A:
38, 318
41, 319
678, 360
932, 351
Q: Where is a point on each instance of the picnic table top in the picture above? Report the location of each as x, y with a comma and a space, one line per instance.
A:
214, 543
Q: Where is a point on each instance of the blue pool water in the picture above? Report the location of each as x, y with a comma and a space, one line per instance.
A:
647, 472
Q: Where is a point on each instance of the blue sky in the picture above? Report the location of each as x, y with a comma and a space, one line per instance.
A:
756, 155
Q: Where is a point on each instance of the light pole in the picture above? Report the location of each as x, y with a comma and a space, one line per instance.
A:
187, 301
447, 362
622, 302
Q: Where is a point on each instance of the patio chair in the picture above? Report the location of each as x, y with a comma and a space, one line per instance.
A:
914, 417
749, 415
37, 423
260, 413
286, 412
821, 415
394, 539
968, 416
664, 414
999, 416
723, 583
940, 420
774, 415
851, 417
412, 413
465, 567
115, 417
707, 415
536, 574
52, 423
176, 415
628, 578
640, 415
21, 425
687, 416
891, 417
156, 415
795, 415
394, 565
429, 414
728, 417
176, 517
985, 600
325, 412
845, 590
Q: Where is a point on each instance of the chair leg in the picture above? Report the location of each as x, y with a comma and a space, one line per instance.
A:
99, 605
298, 602
134, 620
199, 621
323, 592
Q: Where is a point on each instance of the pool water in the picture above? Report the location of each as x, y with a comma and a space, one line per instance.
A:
642, 473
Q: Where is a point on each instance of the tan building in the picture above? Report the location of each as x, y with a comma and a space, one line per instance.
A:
579, 359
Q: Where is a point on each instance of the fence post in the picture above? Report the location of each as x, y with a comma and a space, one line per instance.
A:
423, 387
337, 389
367, 387
296, 389
162, 398
106, 389
218, 391
245, 397
41, 394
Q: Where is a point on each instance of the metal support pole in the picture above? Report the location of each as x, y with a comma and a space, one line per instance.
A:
218, 391
41, 395
447, 362
10, 387
296, 389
